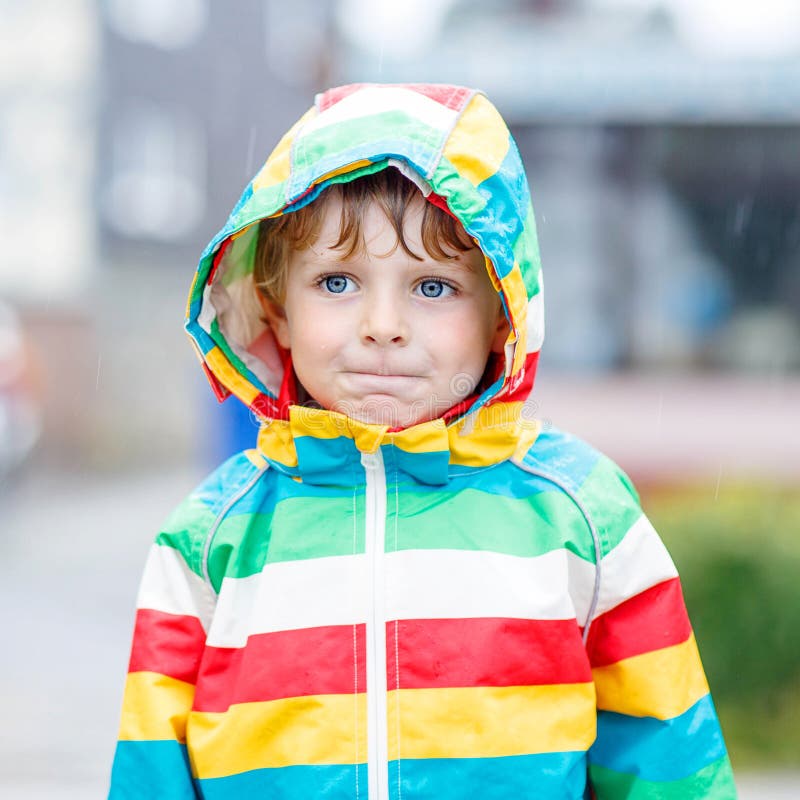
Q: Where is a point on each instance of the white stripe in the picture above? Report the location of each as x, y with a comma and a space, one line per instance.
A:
291, 595
208, 312
420, 584
411, 174
638, 562
371, 101
452, 584
535, 321
169, 585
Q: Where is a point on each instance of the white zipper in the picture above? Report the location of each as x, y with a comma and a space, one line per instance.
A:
377, 748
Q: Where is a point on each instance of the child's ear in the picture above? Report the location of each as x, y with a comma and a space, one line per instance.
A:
501, 332
275, 317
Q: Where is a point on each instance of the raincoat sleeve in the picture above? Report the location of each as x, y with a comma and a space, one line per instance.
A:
174, 610
657, 729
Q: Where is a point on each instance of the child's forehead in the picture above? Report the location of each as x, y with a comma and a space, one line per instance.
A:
373, 218
379, 240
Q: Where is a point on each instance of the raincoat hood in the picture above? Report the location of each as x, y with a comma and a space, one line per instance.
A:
454, 145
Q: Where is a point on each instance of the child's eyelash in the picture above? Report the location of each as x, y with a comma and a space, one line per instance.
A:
320, 279
436, 279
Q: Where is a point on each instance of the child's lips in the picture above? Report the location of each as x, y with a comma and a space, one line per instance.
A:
380, 382
383, 373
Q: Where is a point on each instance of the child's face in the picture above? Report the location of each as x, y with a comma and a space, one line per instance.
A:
382, 337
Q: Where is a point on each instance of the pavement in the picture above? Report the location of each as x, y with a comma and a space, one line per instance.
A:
73, 546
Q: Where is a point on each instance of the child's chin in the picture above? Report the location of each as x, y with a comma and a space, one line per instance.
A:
388, 413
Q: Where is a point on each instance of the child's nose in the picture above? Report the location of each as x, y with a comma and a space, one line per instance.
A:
383, 322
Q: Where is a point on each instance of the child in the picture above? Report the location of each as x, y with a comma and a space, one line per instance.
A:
408, 589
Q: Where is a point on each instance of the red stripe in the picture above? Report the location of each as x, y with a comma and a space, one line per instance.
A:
217, 261
298, 663
170, 644
440, 202
333, 96
454, 97
651, 620
521, 385
220, 392
265, 406
438, 653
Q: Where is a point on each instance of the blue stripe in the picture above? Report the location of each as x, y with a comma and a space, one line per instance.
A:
326, 459
503, 480
204, 341
156, 770
332, 461
331, 782
546, 776
659, 750
497, 227
430, 468
221, 485
564, 456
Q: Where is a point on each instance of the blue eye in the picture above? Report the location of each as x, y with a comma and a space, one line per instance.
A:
336, 284
432, 288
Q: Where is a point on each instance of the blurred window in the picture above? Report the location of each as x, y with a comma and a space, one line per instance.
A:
167, 24
157, 187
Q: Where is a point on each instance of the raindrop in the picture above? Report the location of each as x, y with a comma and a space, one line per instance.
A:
251, 148
744, 208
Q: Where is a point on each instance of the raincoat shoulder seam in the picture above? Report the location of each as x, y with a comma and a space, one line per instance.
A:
236, 495
566, 485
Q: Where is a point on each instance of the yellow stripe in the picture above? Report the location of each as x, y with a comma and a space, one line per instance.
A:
479, 142
321, 729
255, 458
517, 298
662, 684
491, 435
278, 164
275, 441
364, 162
427, 437
490, 270
490, 721
155, 706
323, 424
229, 377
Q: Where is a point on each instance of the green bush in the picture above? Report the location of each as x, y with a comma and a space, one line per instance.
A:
738, 552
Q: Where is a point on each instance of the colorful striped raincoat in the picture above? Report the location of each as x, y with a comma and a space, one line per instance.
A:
472, 607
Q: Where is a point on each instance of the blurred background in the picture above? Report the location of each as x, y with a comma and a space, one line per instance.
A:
662, 143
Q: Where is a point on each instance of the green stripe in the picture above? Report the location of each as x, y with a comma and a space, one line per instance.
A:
240, 258
198, 286
186, 530
714, 782
611, 501
463, 199
299, 528
475, 520
265, 202
350, 134
526, 254
222, 343
360, 172
304, 528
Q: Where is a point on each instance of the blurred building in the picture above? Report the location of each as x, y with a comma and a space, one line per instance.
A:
193, 98
661, 140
